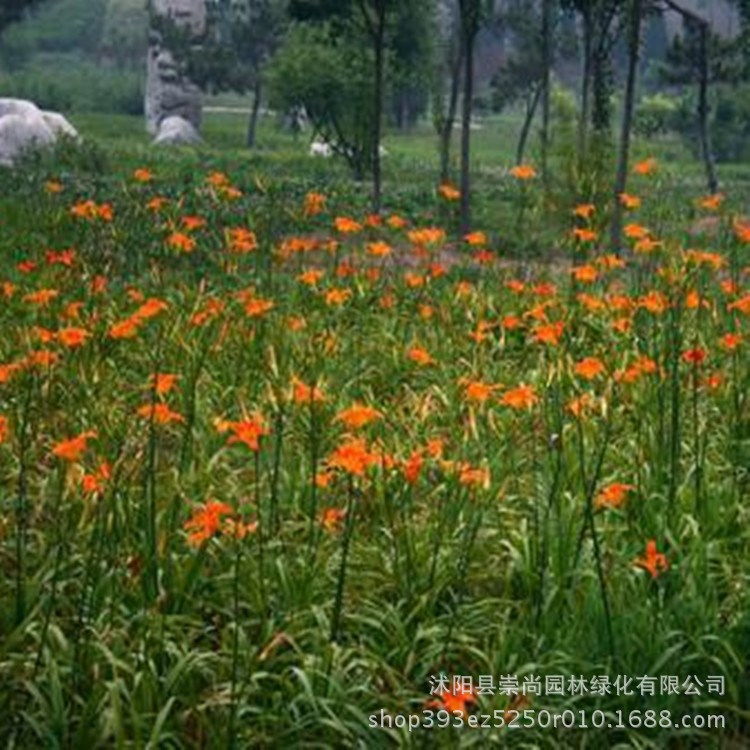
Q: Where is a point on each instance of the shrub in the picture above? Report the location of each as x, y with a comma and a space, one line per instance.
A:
656, 115
73, 85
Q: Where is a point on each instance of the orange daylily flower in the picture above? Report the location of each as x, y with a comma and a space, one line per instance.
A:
476, 239
730, 341
126, 329
160, 413
156, 203
143, 175
654, 562
306, 394
315, 204
449, 192
353, 457
241, 241
379, 249
589, 368
191, 223
412, 467
548, 334
337, 296
647, 245
578, 405
522, 397
206, 522
456, 701
163, 382
420, 356
470, 476
345, 225
60, 257
150, 309
95, 482
257, 308
630, 201
248, 432
72, 337
523, 172
636, 231
585, 274
655, 302
42, 297
584, 210
642, 366
742, 230
741, 305
583, 234
217, 179
646, 167
72, 449
477, 391
695, 356
613, 495
427, 236
332, 518
712, 202
357, 416
181, 241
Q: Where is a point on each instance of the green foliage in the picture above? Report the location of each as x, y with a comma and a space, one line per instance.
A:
124, 38
730, 122
468, 580
332, 79
71, 84
411, 51
14, 10
655, 115
59, 26
520, 74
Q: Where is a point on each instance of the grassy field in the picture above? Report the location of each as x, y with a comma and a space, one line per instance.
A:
271, 466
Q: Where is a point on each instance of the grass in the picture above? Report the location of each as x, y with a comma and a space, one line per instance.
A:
267, 472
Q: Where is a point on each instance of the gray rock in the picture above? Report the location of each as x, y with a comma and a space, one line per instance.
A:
23, 126
176, 131
168, 92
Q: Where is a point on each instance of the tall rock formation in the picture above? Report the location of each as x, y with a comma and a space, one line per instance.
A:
168, 92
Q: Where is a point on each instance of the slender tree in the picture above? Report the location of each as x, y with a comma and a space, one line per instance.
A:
375, 16
472, 12
449, 65
547, 62
695, 59
634, 45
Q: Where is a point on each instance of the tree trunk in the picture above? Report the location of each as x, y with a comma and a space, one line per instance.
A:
446, 130
379, 42
531, 108
703, 82
466, 133
545, 90
708, 157
585, 88
252, 128
627, 121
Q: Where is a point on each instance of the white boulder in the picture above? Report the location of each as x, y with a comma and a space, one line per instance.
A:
23, 126
321, 148
59, 125
176, 131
